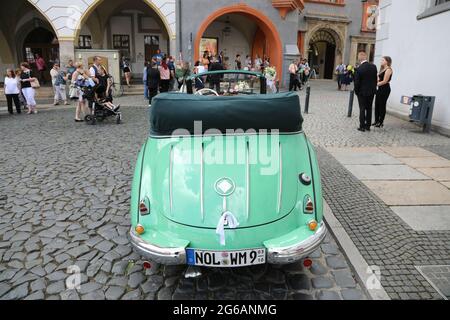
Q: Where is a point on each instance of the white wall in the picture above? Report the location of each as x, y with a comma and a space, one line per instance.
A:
420, 50
122, 25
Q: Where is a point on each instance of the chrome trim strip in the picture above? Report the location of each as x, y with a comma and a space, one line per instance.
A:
280, 182
202, 182
248, 180
298, 251
231, 135
171, 180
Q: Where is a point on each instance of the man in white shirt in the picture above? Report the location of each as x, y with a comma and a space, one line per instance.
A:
95, 69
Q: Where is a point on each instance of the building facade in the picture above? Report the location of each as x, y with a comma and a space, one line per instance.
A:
324, 31
334, 31
420, 53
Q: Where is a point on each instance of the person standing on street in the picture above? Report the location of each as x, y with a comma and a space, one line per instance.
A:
171, 64
293, 76
78, 77
215, 78
126, 68
153, 80
238, 62
158, 56
41, 67
248, 63
59, 85
144, 79
341, 71
73, 92
70, 68
164, 72
12, 91
366, 79
384, 91
94, 71
26, 78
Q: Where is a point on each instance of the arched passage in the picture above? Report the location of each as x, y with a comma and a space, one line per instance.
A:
266, 34
165, 17
26, 31
325, 51
133, 27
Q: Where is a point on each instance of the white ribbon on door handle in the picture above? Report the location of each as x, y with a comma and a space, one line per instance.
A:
227, 217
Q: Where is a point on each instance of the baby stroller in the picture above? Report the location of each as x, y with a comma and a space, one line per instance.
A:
101, 107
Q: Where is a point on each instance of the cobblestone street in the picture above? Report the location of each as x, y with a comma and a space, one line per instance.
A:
64, 201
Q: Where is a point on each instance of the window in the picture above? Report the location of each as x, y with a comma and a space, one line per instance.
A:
29, 55
85, 42
121, 42
151, 40
434, 7
337, 2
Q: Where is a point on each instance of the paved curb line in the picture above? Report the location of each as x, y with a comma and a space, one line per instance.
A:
358, 263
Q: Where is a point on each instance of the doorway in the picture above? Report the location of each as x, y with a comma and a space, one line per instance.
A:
151, 44
43, 42
322, 54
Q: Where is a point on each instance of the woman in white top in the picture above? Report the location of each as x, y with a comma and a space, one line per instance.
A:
12, 91
258, 63
78, 76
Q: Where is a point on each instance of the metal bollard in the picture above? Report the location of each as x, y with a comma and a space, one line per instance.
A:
350, 103
308, 94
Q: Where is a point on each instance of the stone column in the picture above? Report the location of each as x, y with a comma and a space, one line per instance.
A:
173, 48
66, 50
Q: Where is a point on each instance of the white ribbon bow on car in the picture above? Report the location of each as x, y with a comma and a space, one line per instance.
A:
232, 223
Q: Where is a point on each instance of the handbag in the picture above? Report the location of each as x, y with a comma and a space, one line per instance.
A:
35, 84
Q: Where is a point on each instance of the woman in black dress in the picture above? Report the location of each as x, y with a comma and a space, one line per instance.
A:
384, 91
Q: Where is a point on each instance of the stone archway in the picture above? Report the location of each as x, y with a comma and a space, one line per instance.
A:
324, 48
25, 32
164, 9
275, 50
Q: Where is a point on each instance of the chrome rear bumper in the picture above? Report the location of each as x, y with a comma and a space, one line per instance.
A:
177, 256
165, 256
298, 251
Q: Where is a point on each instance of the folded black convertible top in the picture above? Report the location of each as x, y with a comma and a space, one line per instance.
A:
171, 112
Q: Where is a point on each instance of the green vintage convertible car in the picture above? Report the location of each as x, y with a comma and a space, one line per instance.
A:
226, 180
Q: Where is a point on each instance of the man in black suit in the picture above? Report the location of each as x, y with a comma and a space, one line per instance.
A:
215, 78
366, 79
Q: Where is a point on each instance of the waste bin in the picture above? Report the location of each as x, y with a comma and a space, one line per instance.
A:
422, 108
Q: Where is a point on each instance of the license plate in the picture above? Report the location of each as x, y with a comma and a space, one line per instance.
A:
225, 259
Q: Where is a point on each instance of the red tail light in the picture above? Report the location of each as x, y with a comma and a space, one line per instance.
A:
309, 205
307, 263
143, 208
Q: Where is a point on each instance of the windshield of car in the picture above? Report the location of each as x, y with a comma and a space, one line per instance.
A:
236, 84
227, 83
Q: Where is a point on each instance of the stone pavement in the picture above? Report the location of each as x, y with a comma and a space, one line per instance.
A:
413, 182
64, 201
